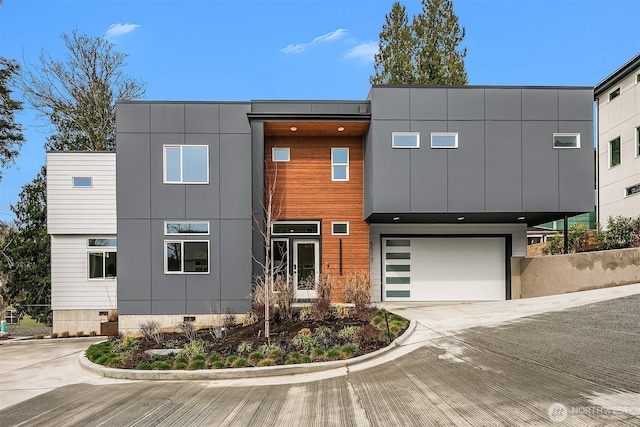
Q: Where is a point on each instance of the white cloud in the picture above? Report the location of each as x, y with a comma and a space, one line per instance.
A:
300, 47
364, 52
115, 30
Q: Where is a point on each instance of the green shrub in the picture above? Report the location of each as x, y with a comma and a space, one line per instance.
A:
239, 363
265, 362
231, 359
196, 347
196, 364
333, 353
304, 342
255, 357
348, 350
306, 359
213, 358
96, 350
113, 362
143, 366
621, 232
245, 347
179, 364
218, 364
292, 361
348, 332
161, 365
317, 353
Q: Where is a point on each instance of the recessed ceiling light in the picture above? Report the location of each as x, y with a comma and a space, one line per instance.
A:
340, 129
395, 218
520, 218
293, 128
460, 218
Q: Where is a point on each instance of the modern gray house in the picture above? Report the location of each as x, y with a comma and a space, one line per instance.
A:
427, 189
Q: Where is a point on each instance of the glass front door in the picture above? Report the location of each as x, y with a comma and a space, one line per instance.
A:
305, 268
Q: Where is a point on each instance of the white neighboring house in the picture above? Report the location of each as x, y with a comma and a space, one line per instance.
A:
81, 219
618, 99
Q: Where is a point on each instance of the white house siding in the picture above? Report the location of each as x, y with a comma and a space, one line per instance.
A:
71, 289
517, 231
619, 118
81, 210
73, 216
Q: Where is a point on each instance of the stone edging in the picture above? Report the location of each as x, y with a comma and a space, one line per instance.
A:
236, 373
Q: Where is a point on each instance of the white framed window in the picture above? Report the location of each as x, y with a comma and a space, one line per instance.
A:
613, 95
82, 182
339, 164
102, 265
614, 152
173, 228
632, 191
186, 257
293, 228
280, 154
186, 164
444, 139
566, 140
405, 139
11, 317
102, 258
340, 228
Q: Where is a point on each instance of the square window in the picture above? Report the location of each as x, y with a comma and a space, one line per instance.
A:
102, 265
280, 154
11, 317
405, 140
444, 139
340, 228
613, 95
186, 164
614, 152
186, 227
340, 164
566, 140
187, 257
79, 182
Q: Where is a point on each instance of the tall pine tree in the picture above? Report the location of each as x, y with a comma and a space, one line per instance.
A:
425, 52
11, 137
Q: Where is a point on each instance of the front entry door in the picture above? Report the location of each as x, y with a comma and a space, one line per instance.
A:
305, 268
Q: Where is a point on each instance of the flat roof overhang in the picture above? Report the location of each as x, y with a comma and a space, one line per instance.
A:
316, 128
529, 218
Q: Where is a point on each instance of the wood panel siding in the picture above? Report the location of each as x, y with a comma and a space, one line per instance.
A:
305, 191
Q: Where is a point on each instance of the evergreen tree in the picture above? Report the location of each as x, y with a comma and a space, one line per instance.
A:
11, 137
394, 62
26, 256
425, 52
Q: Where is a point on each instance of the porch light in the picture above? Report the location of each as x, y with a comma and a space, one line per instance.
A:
460, 218
395, 218
340, 129
293, 128
520, 218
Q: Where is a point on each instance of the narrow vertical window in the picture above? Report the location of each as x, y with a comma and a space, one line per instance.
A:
614, 152
340, 164
638, 142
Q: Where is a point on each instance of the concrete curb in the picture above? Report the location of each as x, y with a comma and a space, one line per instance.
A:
238, 373
31, 340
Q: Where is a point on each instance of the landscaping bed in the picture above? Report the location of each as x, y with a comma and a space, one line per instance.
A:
292, 340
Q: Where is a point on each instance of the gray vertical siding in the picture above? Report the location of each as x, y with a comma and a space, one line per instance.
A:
145, 202
505, 161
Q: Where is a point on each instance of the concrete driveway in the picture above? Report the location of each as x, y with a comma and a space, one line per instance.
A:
573, 360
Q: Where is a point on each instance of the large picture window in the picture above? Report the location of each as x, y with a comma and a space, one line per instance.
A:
186, 164
340, 164
187, 257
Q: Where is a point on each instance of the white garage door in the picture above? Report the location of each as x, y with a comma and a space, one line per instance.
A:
444, 268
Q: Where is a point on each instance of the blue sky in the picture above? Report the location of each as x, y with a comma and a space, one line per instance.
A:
307, 49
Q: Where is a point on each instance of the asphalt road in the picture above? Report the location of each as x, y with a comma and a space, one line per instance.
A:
578, 367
